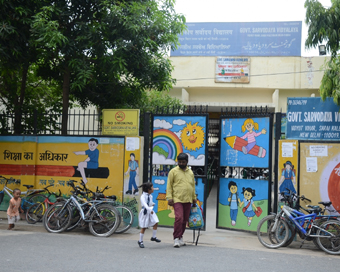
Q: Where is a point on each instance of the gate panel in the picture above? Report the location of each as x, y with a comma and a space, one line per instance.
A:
171, 135
245, 160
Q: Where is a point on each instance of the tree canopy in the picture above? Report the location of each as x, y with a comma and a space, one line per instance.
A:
324, 27
101, 52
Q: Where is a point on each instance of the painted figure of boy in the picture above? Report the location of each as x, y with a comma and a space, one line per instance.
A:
234, 201
134, 172
91, 162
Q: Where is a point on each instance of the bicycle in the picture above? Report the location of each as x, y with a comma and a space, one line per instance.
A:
102, 219
327, 234
36, 212
28, 198
126, 215
292, 200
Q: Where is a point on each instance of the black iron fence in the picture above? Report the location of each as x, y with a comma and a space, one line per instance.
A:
79, 123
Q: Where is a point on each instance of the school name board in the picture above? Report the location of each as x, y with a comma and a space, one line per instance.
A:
312, 119
240, 39
121, 122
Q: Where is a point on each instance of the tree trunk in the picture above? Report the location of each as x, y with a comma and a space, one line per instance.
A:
66, 95
20, 101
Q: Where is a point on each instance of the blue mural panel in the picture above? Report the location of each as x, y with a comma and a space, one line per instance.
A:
245, 142
179, 134
242, 203
241, 39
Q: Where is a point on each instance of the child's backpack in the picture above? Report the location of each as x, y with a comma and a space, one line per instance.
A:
196, 221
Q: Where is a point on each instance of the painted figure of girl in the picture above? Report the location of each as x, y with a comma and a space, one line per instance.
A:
248, 202
251, 127
287, 179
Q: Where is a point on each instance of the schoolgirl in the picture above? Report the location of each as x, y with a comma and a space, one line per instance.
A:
147, 217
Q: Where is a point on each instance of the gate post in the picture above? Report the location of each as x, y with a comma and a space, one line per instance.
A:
146, 152
278, 117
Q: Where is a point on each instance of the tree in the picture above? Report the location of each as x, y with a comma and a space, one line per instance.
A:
324, 26
17, 54
107, 52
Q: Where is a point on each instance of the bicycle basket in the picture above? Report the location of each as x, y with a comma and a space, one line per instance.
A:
2, 194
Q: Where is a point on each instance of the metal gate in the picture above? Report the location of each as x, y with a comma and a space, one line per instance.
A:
244, 191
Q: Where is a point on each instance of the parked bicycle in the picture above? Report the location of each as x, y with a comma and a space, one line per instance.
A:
28, 198
36, 212
325, 229
102, 219
126, 215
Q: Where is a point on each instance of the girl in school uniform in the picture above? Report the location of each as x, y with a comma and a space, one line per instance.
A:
147, 217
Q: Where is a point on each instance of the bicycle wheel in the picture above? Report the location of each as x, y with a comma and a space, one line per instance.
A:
126, 218
75, 219
291, 235
31, 200
329, 240
35, 213
57, 218
269, 238
107, 220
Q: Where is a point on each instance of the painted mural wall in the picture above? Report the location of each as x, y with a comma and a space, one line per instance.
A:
320, 172
54, 160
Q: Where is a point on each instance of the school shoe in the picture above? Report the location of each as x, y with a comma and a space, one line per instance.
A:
141, 245
155, 239
181, 242
176, 243
128, 192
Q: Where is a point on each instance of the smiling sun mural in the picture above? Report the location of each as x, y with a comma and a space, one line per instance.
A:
176, 134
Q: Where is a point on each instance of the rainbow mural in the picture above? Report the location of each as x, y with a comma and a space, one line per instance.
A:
166, 143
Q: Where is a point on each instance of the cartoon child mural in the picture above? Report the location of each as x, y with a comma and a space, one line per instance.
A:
248, 202
234, 201
251, 127
91, 162
134, 172
287, 180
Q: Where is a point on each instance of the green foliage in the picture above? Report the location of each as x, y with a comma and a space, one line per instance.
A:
151, 100
324, 27
114, 50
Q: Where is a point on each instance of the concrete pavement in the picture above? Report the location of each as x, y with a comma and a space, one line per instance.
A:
212, 237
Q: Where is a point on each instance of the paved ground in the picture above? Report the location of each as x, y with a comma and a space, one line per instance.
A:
212, 237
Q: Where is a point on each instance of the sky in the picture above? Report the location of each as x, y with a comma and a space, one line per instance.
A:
249, 11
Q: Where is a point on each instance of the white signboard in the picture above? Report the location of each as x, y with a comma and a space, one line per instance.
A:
232, 70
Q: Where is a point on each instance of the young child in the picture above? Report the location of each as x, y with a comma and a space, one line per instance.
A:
147, 217
13, 209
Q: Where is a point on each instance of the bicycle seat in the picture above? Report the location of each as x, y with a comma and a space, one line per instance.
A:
325, 203
113, 197
28, 186
316, 208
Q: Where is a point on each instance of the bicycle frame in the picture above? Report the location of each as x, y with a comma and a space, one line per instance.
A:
73, 200
299, 221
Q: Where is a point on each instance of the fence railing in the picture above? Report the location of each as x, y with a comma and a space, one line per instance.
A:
80, 122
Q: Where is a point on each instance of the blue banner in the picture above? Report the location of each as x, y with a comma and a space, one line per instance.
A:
310, 118
240, 39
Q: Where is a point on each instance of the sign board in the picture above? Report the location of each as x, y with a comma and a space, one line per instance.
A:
121, 122
240, 39
310, 118
232, 69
